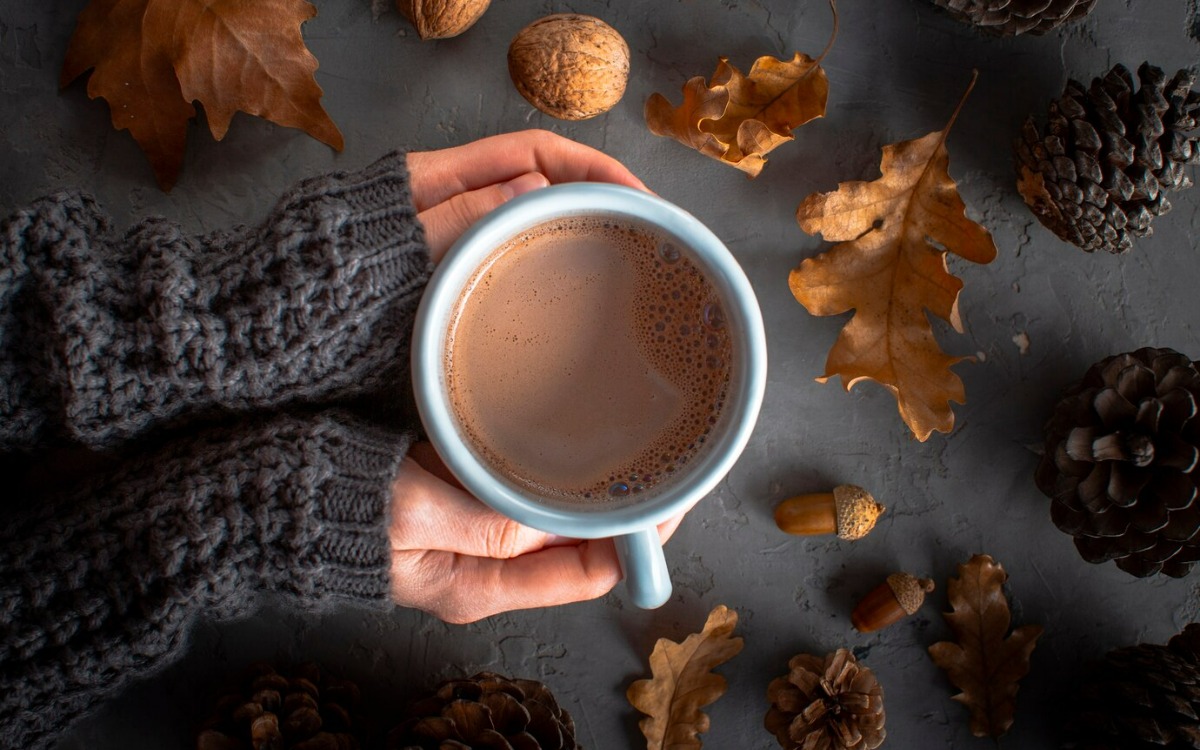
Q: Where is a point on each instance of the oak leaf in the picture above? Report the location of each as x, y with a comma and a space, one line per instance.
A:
739, 119
151, 59
984, 664
890, 267
683, 683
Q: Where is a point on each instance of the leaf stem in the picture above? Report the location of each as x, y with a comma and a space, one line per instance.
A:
961, 102
832, 36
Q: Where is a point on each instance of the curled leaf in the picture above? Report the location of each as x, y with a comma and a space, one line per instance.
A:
984, 664
890, 267
683, 683
153, 58
739, 119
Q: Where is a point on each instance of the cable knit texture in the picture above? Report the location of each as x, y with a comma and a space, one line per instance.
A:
100, 586
103, 337
202, 363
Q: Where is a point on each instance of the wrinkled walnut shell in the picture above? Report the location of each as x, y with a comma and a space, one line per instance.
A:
442, 19
569, 66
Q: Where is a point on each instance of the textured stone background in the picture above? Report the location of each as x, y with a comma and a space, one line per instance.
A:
1037, 317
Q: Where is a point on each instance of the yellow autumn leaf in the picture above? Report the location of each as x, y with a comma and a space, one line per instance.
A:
889, 266
738, 119
683, 683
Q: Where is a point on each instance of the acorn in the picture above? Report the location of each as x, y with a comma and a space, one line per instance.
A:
900, 596
849, 511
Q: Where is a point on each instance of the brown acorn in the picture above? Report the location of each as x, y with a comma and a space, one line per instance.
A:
890, 602
849, 511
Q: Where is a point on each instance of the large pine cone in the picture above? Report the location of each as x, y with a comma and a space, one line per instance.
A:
830, 703
1120, 462
1109, 155
1144, 697
486, 711
308, 711
1012, 17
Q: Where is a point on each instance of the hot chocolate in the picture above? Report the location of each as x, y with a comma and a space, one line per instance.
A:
588, 359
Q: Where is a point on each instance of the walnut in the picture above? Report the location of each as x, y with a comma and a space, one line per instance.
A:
569, 66
442, 19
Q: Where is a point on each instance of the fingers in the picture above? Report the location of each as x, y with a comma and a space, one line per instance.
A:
461, 561
428, 514
435, 176
445, 222
461, 589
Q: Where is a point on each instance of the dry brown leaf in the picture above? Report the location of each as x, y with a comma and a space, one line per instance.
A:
1032, 187
153, 58
683, 683
890, 267
739, 119
984, 664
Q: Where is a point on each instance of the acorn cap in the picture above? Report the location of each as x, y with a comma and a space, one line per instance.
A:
909, 590
856, 511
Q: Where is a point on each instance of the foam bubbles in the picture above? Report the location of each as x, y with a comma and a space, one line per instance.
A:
680, 333
714, 316
618, 489
669, 252
686, 310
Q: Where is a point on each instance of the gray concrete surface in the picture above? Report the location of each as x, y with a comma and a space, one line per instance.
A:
895, 73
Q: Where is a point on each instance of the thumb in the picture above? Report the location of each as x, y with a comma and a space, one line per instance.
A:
445, 222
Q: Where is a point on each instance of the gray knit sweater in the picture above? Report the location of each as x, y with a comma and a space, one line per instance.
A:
200, 366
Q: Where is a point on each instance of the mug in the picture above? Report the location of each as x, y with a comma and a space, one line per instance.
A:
631, 525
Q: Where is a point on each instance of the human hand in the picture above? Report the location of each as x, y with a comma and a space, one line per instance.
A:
454, 187
461, 561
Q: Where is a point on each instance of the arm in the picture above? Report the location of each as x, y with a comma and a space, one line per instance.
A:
99, 588
103, 336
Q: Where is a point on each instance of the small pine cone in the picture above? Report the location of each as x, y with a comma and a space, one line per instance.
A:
271, 711
1120, 462
1101, 170
832, 703
1143, 697
1012, 17
486, 711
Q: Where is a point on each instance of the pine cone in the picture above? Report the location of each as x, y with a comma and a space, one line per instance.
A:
486, 711
826, 704
1109, 155
1012, 17
1120, 462
309, 711
1143, 697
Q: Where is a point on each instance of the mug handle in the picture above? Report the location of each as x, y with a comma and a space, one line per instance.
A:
645, 568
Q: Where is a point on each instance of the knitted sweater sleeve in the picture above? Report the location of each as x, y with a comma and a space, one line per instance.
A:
98, 589
103, 336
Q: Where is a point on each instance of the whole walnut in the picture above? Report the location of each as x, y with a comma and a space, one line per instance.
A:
569, 66
442, 19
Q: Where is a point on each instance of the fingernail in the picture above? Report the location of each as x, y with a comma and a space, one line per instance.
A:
526, 183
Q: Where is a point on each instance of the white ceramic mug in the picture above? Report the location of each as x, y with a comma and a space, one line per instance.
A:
633, 524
